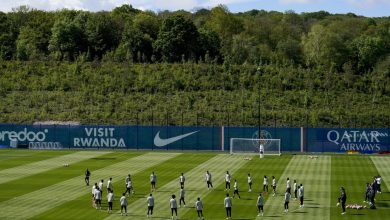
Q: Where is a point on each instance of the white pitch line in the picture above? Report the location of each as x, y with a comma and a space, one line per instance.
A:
195, 186
382, 164
45, 165
39, 201
314, 174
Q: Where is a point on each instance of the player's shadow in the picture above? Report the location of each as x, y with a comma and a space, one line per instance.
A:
246, 199
358, 214
163, 191
154, 217
382, 204
104, 158
273, 216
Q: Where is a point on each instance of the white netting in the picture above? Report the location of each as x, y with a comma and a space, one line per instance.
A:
251, 145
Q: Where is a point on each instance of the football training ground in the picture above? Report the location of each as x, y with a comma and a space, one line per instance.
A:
37, 185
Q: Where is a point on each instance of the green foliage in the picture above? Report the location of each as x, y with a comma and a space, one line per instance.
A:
6, 41
203, 94
177, 39
101, 33
64, 40
314, 40
313, 69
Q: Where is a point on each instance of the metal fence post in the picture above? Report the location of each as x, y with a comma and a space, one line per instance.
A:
137, 127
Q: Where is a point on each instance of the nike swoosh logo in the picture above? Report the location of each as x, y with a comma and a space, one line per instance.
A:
163, 142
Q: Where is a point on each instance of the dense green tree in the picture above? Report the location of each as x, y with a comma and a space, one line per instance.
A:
324, 48
366, 51
101, 33
226, 25
6, 41
135, 45
210, 44
147, 23
177, 39
26, 48
65, 38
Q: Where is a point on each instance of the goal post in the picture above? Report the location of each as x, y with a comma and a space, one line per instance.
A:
252, 146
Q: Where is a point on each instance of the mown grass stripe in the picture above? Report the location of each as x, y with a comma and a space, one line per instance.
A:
195, 186
315, 175
382, 164
245, 207
14, 158
80, 208
38, 181
353, 172
39, 201
45, 165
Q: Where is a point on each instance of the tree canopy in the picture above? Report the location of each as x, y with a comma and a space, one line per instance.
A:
311, 40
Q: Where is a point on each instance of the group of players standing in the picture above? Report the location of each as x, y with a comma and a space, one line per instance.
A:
371, 190
97, 194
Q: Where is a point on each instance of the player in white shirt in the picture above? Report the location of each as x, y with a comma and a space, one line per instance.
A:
288, 185
128, 178
236, 189
181, 195
301, 195
378, 182
265, 184
227, 202
287, 197
94, 187
129, 188
173, 205
199, 208
295, 189
261, 150
123, 202
150, 202
110, 199
260, 205
109, 185
209, 180
153, 179
182, 179
227, 180
274, 185
101, 185
249, 182
98, 198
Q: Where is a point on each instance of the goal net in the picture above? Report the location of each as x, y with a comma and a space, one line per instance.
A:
251, 145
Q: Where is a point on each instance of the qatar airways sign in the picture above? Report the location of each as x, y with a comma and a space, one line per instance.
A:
357, 140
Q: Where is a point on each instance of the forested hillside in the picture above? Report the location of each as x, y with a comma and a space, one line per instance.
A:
209, 67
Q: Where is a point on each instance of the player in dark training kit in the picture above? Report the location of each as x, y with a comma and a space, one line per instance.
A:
342, 199
87, 175
209, 180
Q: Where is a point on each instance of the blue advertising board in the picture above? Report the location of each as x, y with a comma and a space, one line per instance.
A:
290, 137
341, 140
192, 137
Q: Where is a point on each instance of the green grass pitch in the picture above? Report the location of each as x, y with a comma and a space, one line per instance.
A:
37, 185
